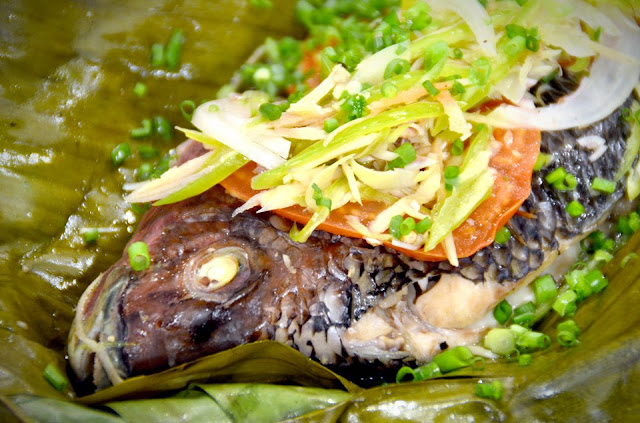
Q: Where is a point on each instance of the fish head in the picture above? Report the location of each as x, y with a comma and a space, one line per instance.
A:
198, 296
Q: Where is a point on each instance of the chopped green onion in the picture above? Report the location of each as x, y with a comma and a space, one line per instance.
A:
435, 56
603, 185
602, 256
501, 341
162, 128
575, 209
451, 174
157, 54
426, 372
55, 377
261, 4
144, 131
493, 390
524, 359
424, 225
321, 200
406, 154
634, 221
533, 43
431, 89
396, 67
457, 148
174, 49
140, 89
515, 46
91, 236
565, 304
394, 226
120, 153
503, 235
524, 314
556, 175
596, 280
545, 289
355, 106
569, 326
626, 114
457, 88
389, 89
480, 71
457, 53
532, 341
139, 258
541, 161
187, 107
331, 125
453, 359
514, 30
418, 16
503, 311
144, 172
626, 259
270, 111
566, 339
407, 226
147, 152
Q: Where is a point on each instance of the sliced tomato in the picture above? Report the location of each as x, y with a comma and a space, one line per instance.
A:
513, 164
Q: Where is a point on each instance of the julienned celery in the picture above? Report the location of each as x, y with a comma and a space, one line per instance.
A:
346, 140
222, 163
456, 208
476, 183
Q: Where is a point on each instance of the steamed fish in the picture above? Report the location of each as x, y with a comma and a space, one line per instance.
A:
218, 280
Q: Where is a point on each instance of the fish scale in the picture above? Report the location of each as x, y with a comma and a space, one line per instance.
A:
322, 302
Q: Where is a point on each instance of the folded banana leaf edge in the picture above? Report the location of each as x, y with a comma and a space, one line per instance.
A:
67, 70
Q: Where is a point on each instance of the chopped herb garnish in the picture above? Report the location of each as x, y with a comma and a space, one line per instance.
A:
503, 235
187, 107
355, 106
542, 160
545, 289
55, 377
457, 148
406, 154
389, 89
261, 4
270, 111
139, 258
565, 304
575, 209
431, 89
603, 185
394, 226
502, 312
140, 89
174, 49
144, 131
396, 67
331, 125
493, 390
91, 236
480, 71
457, 88
120, 153
424, 225
407, 226
147, 152
162, 128
157, 54
321, 200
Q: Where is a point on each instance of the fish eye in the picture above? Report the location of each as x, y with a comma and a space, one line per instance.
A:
217, 274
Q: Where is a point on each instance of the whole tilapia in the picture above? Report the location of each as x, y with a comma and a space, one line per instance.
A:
218, 281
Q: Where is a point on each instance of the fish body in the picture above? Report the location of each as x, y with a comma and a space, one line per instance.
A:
336, 299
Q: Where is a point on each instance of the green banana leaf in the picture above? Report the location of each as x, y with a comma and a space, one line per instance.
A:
67, 71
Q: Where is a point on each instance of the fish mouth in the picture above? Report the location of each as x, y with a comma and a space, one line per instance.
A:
94, 350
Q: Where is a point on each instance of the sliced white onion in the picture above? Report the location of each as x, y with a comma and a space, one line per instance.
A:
595, 143
476, 17
228, 128
599, 94
404, 245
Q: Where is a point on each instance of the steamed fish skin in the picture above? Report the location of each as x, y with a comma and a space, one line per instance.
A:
218, 281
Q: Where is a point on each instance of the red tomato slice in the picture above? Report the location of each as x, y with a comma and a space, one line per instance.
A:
514, 166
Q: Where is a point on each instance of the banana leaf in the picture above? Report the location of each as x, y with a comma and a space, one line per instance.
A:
67, 71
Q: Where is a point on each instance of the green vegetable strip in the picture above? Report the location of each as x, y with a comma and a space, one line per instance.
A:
223, 162
55, 377
139, 258
346, 140
334, 194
